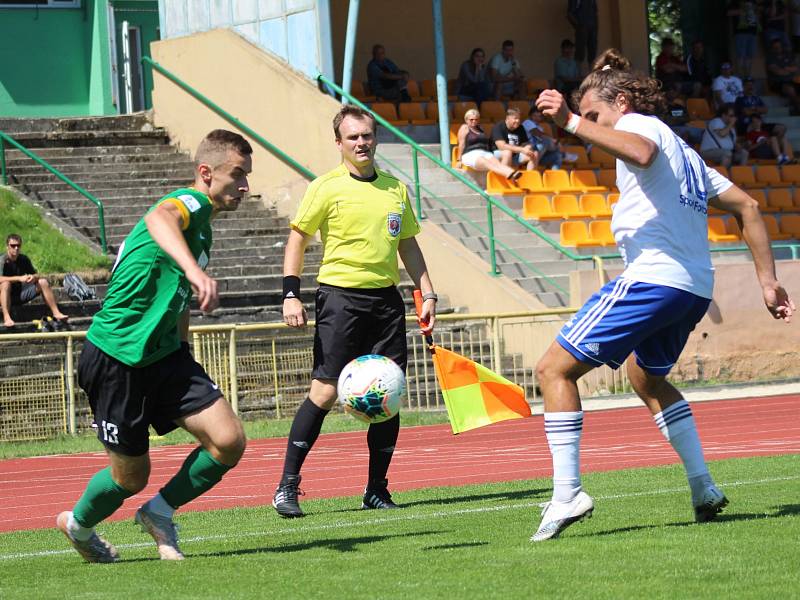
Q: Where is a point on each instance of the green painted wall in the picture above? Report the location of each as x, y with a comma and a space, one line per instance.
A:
143, 15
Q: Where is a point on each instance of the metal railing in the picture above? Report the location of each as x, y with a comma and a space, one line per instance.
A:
5, 138
264, 369
305, 172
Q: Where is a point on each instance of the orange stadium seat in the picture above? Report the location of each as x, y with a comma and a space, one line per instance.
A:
607, 178
698, 108
601, 231
612, 199
357, 90
722, 171
698, 123
536, 85
412, 87
497, 184
523, 106
557, 181
537, 206
796, 198
717, 232
454, 127
732, 227
492, 111
768, 175
773, 230
743, 176
780, 200
575, 233
760, 196
595, 205
566, 205
584, 179
603, 159
791, 173
427, 87
460, 109
583, 161
530, 181
413, 112
432, 112
790, 224
388, 112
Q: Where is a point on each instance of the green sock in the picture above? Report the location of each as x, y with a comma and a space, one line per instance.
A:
199, 473
101, 498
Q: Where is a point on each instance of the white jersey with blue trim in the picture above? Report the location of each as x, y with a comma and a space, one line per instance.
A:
660, 223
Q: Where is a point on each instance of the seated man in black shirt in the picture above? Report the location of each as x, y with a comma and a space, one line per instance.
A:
511, 141
19, 283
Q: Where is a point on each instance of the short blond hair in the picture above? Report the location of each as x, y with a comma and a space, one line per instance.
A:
472, 112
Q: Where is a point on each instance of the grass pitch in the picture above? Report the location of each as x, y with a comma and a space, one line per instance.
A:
457, 542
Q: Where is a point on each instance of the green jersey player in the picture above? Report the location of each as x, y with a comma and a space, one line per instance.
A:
136, 368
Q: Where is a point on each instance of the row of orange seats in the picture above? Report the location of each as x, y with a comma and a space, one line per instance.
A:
727, 230
424, 90
553, 182
759, 176
567, 206
772, 201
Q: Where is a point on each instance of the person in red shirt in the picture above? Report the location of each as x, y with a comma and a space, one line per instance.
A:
762, 145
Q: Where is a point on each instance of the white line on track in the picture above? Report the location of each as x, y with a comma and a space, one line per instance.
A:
394, 519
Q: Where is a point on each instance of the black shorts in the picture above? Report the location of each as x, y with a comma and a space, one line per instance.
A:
126, 400
22, 293
353, 322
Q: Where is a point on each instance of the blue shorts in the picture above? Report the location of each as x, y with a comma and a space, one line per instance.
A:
652, 321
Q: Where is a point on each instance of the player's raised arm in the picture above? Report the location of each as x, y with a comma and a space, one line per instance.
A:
294, 314
745, 209
164, 224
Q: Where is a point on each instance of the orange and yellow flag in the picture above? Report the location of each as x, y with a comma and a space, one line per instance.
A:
474, 395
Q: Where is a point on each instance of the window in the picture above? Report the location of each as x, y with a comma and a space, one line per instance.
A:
40, 3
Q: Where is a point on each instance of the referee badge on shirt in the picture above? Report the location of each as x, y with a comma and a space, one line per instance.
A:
393, 222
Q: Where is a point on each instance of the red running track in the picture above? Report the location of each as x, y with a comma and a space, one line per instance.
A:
34, 490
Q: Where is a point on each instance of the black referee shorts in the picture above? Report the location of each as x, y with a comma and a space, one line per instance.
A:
126, 400
352, 322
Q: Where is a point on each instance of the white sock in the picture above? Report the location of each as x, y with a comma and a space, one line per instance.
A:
563, 430
678, 427
159, 506
78, 531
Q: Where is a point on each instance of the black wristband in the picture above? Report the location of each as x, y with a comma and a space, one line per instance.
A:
291, 287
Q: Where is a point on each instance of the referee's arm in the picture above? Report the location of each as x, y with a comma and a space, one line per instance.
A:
415, 265
294, 315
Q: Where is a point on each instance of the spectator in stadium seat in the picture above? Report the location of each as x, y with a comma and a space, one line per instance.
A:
511, 141
473, 78
745, 15
763, 145
582, 15
781, 71
506, 74
670, 68
719, 143
727, 87
748, 105
19, 283
697, 71
475, 148
548, 151
677, 117
643, 317
566, 74
386, 80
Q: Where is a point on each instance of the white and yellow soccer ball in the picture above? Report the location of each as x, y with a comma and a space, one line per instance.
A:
371, 388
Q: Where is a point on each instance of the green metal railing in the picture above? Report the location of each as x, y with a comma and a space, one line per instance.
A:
5, 138
229, 117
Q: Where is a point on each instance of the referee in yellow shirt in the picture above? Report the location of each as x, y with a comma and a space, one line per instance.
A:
365, 219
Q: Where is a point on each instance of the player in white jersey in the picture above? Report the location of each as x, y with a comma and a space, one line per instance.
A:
645, 315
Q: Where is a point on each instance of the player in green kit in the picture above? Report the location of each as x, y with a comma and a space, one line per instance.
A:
136, 367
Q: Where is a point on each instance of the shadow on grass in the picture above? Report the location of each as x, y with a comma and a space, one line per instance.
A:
454, 546
536, 494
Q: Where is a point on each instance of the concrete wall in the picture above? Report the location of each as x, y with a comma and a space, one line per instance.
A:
536, 26
261, 91
737, 339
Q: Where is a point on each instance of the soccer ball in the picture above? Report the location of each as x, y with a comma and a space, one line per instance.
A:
371, 387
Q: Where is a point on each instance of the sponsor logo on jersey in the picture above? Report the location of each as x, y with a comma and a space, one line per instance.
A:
189, 202
394, 223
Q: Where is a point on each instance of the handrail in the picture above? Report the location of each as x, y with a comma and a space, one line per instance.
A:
146, 60
4, 137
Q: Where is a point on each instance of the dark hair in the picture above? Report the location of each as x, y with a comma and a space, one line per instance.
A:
513, 111
375, 48
567, 44
349, 110
507, 43
13, 236
475, 51
213, 149
611, 76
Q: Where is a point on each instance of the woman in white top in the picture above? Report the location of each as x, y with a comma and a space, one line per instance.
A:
475, 148
642, 318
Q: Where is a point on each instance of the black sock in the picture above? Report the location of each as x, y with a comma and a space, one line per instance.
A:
304, 432
381, 438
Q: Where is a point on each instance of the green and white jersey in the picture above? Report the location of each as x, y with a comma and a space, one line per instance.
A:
148, 291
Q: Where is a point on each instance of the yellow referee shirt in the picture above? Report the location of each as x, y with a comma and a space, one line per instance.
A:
361, 223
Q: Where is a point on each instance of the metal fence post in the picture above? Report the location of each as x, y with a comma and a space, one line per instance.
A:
234, 373
491, 238
71, 387
415, 159
496, 344
3, 160
275, 378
